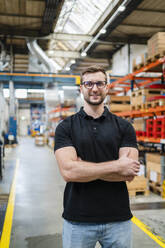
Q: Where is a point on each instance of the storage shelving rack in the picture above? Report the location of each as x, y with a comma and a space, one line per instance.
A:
132, 80
136, 80
56, 115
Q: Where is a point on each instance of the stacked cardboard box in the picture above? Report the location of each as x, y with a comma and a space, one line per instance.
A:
156, 44
139, 97
138, 185
155, 165
156, 172
139, 124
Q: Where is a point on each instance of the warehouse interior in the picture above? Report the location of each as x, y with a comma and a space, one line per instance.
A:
44, 47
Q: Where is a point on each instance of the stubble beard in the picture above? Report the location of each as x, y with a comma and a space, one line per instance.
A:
86, 98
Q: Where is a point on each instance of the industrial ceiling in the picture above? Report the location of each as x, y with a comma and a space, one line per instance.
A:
77, 33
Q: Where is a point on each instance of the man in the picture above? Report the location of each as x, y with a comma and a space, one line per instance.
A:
97, 153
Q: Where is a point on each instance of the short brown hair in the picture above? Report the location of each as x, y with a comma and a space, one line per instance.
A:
93, 69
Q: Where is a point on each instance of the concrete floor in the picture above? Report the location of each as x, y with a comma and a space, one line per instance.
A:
37, 221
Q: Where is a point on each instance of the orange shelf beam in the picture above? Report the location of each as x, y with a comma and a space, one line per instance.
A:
146, 139
59, 109
142, 113
148, 68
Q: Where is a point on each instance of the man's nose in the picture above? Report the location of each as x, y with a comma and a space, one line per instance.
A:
94, 87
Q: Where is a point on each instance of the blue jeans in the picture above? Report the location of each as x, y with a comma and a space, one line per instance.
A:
86, 235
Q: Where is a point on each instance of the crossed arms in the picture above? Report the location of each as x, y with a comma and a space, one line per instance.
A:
73, 169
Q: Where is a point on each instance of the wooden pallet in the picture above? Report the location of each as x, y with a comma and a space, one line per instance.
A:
138, 106
138, 192
154, 104
155, 57
150, 92
138, 97
138, 186
148, 60
120, 103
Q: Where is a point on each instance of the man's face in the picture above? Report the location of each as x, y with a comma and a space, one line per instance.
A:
95, 95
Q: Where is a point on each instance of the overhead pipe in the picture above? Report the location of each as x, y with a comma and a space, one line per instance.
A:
3, 53
35, 49
3, 58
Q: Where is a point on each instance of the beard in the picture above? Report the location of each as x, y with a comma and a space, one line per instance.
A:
87, 99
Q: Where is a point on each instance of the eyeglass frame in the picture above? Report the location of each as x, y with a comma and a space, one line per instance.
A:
94, 83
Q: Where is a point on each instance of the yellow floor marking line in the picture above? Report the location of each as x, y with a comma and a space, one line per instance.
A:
159, 240
6, 232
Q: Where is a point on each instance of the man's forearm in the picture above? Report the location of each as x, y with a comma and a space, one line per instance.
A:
82, 171
117, 178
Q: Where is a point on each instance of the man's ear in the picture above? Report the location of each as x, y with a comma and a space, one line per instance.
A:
107, 89
81, 88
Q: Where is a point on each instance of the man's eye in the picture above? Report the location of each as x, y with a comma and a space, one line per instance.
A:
89, 83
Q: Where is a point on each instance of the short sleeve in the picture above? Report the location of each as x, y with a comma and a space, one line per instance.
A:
62, 136
129, 137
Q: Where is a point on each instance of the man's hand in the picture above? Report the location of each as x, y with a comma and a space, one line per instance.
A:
127, 166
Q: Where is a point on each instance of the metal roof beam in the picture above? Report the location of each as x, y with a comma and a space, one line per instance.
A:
19, 15
110, 26
132, 39
64, 54
151, 10
141, 25
17, 32
69, 37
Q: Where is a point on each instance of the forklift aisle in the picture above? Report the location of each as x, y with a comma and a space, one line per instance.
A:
38, 207
38, 202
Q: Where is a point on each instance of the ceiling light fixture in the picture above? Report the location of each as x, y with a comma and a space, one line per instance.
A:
121, 8
83, 54
73, 61
103, 31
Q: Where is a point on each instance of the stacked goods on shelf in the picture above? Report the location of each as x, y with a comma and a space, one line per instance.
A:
155, 128
138, 186
140, 99
119, 103
156, 45
139, 61
139, 125
60, 103
155, 166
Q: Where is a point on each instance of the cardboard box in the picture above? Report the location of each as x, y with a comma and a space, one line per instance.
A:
155, 166
139, 124
156, 44
139, 183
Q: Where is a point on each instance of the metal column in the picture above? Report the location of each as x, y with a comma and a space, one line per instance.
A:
1, 110
2, 120
12, 115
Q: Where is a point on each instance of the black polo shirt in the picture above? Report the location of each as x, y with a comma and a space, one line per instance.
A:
96, 140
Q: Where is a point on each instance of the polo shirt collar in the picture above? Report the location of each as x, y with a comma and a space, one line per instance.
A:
83, 114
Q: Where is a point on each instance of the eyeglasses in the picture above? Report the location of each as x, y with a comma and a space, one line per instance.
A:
90, 84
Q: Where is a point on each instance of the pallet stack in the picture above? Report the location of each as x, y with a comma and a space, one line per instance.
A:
155, 167
156, 44
119, 103
144, 98
155, 50
138, 186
